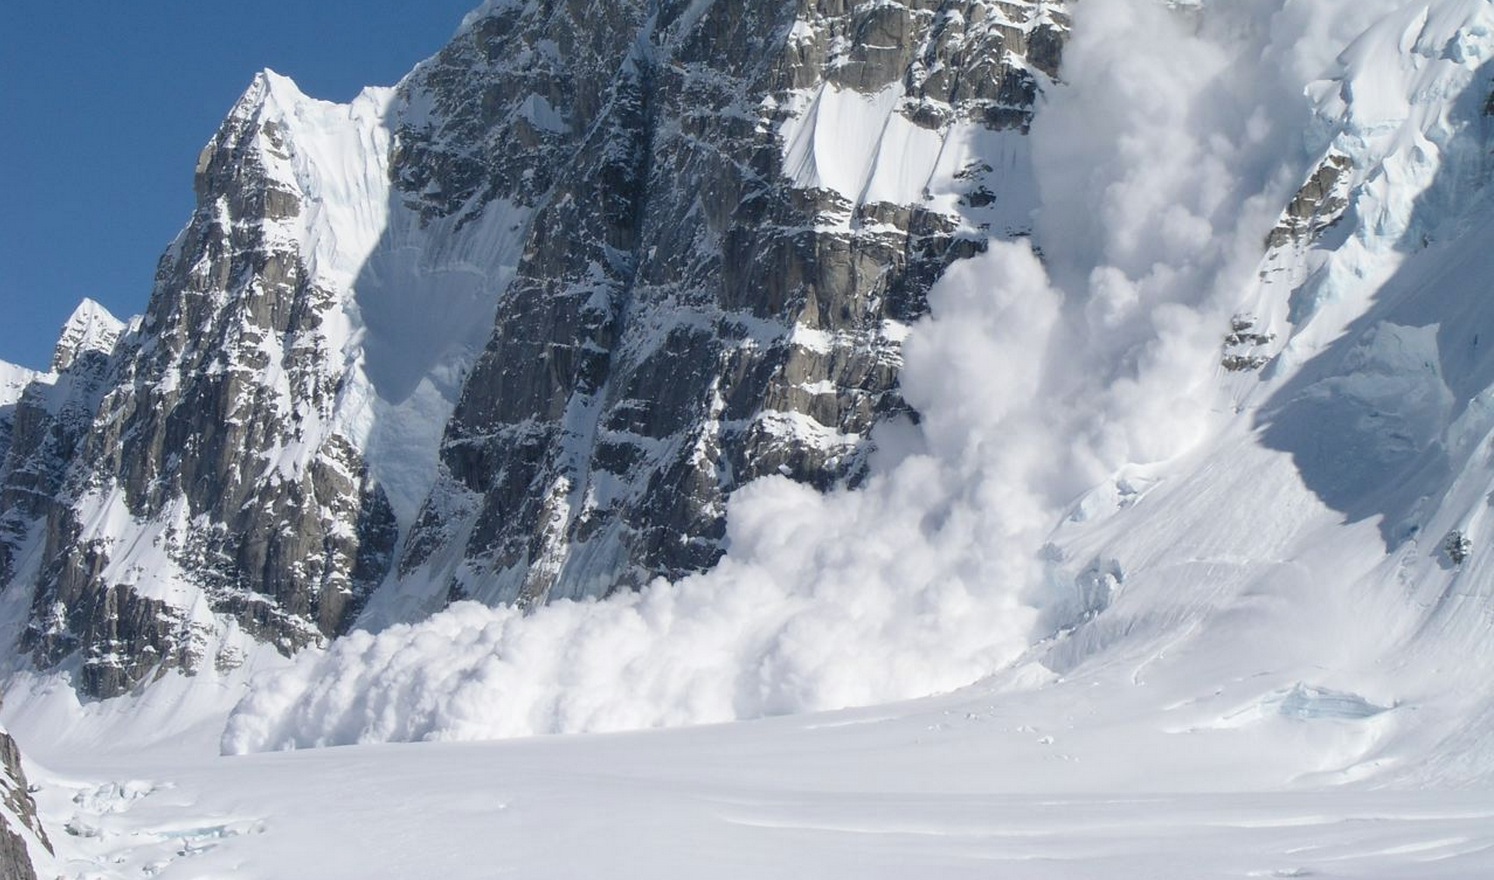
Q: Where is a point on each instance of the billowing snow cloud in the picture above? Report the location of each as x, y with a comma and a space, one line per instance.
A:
1161, 170
908, 586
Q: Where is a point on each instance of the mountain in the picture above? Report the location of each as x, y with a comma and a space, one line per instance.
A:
1221, 431
516, 329
1106, 382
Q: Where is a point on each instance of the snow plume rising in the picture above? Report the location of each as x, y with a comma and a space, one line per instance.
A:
907, 586
1161, 170
1162, 166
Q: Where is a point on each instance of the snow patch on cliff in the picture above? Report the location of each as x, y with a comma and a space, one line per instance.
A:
866, 150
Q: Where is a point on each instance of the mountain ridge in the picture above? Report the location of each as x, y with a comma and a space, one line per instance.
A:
264, 464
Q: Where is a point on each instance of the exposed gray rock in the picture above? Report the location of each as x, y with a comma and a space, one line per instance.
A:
13, 383
47, 425
685, 319
1457, 546
19, 809
1244, 346
1318, 205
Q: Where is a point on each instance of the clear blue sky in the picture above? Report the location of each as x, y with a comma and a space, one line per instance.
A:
104, 106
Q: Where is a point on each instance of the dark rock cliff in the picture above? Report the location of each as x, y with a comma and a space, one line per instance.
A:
685, 318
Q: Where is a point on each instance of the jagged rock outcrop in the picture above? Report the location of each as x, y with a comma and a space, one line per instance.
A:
1318, 205
16, 861
14, 381
690, 234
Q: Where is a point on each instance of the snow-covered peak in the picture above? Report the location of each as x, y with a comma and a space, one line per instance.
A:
489, 7
91, 327
279, 88
329, 159
271, 94
268, 96
13, 382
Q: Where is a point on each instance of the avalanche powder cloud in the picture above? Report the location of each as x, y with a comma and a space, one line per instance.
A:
1160, 168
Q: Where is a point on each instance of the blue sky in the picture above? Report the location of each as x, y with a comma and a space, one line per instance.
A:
105, 105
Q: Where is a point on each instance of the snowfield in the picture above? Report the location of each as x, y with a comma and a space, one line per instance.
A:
1160, 586
982, 783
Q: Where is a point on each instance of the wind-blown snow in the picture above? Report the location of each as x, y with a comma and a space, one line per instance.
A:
1161, 163
896, 590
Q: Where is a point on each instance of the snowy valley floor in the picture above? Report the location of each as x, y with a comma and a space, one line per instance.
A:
972, 784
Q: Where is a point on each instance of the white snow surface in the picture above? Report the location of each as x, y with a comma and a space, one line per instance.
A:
13, 382
1145, 616
991, 782
90, 327
864, 149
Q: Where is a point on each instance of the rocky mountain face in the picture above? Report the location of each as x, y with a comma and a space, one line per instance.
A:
155, 466
46, 421
516, 329
691, 311
19, 809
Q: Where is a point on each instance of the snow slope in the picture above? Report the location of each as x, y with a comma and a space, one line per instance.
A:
983, 783
13, 382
